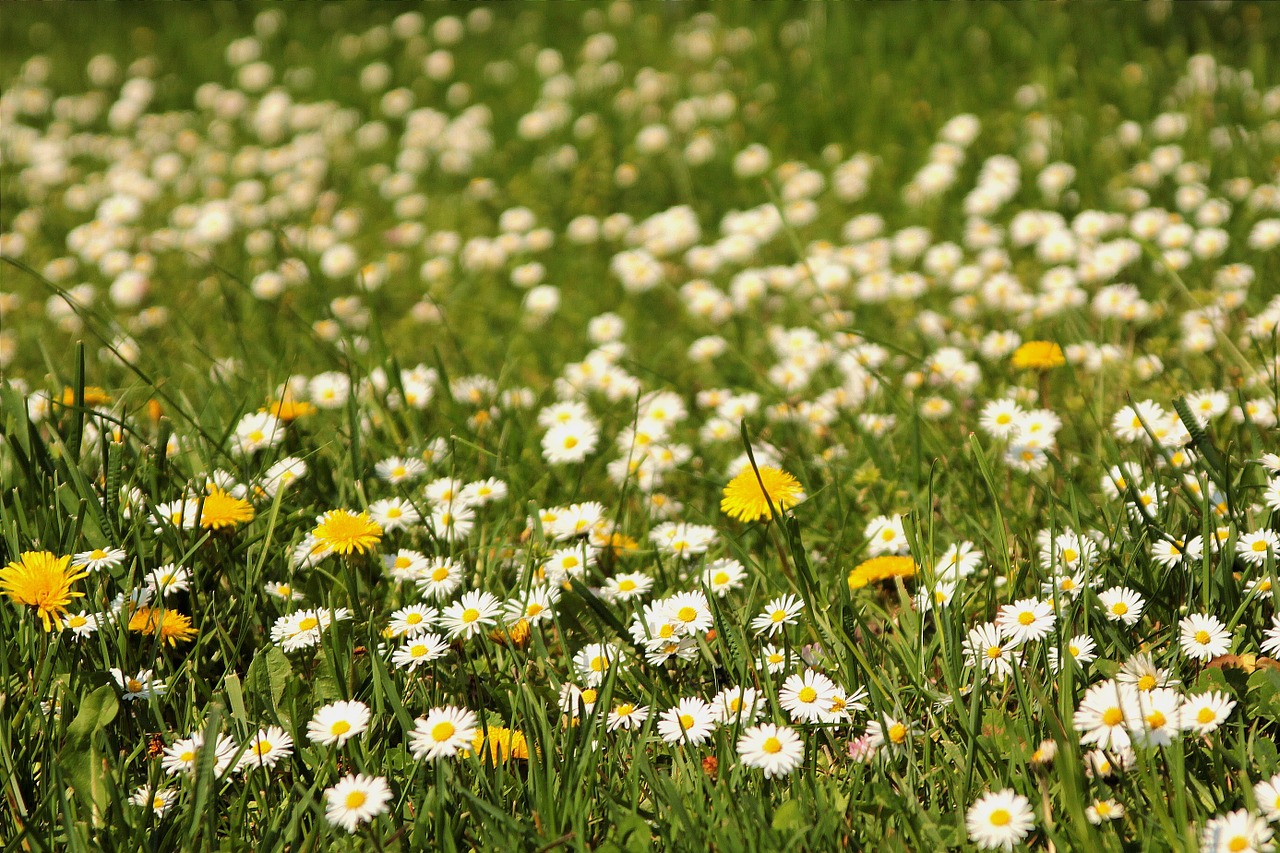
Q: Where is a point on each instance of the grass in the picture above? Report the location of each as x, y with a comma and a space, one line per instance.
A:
112, 406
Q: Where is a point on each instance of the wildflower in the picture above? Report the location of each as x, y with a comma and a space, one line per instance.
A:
879, 569
1025, 620
1204, 712
806, 696
440, 578
999, 819
1037, 355
1103, 810
888, 732
221, 511
99, 558
690, 611
776, 750
748, 496
471, 614
159, 800
182, 755
1107, 713
594, 661
399, 470
1271, 643
1254, 548
266, 748
738, 705
532, 607
337, 723
777, 613
43, 581
356, 799
723, 576
690, 721
81, 624
420, 649
1121, 604
1203, 637
394, 514
288, 409
1267, 795
626, 587
412, 620
140, 686
503, 744
1161, 721
442, 733
984, 649
885, 535
169, 578
170, 626
302, 629
1081, 648
570, 442
772, 658
626, 715
344, 532
1237, 831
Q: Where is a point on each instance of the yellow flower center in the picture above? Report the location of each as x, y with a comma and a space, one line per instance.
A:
414, 618
1206, 715
687, 614
897, 733
994, 652
626, 585
599, 663
1202, 637
778, 616
470, 614
355, 799
1112, 716
1156, 720
1026, 617
533, 609
589, 696
262, 747
772, 745
686, 721
625, 709
188, 756
1119, 608
1146, 683
720, 579
441, 732
1001, 817
341, 727
807, 694
133, 685
308, 623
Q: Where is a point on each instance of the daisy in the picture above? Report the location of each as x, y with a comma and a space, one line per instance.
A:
885, 535
81, 624
627, 587
1203, 637
999, 819
282, 590
691, 721
1161, 717
1204, 712
405, 564
1140, 671
337, 723
394, 514
99, 558
412, 620
888, 732
738, 705
957, 562
805, 696
776, 750
140, 686
470, 615
626, 715
1254, 548
533, 607
999, 418
483, 492
1267, 795
356, 799
181, 756
268, 746
568, 563
574, 699
593, 662
723, 576
159, 800
452, 523
440, 578
777, 614
1103, 810
419, 650
1238, 831
984, 649
1121, 604
1271, 641
443, 491
1081, 648
570, 442
1107, 713
772, 659
399, 470
1025, 620
442, 733
690, 611
168, 579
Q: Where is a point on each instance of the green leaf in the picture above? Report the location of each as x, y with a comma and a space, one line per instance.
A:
789, 817
268, 676
81, 757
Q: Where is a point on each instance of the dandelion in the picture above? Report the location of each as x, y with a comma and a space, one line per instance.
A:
443, 733
221, 511
776, 750
170, 626
344, 532
356, 799
748, 496
880, 569
1203, 637
337, 723
999, 819
43, 581
1037, 355
499, 744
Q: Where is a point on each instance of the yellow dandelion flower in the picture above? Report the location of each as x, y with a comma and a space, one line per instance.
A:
42, 580
221, 510
289, 409
1038, 355
93, 396
517, 635
344, 532
503, 743
880, 569
171, 626
745, 500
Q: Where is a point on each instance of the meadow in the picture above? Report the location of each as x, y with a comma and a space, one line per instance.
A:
635, 426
